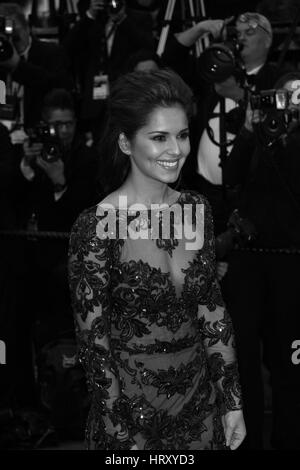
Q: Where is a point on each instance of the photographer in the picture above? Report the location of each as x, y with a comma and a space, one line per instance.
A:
261, 285
58, 168
10, 267
30, 67
99, 46
252, 41
54, 181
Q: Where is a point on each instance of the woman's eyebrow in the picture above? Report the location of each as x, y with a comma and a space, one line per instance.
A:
166, 132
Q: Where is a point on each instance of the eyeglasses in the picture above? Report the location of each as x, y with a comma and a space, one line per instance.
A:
61, 124
252, 23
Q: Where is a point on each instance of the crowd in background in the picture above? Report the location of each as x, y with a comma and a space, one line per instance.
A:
46, 181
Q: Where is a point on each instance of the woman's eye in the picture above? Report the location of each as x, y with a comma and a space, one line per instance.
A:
159, 138
184, 135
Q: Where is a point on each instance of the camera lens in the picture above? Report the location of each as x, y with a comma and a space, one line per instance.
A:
217, 63
115, 5
273, 125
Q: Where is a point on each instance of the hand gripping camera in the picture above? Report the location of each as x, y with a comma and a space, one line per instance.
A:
47, 135
277, 115
222, 59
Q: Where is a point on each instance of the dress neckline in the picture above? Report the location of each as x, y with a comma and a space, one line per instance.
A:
162, 206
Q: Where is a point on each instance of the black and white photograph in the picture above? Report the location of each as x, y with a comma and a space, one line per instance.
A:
150, 228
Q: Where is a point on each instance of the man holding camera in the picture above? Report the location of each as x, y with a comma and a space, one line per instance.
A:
54, 181
57, 172
261, 285
99, 46
253, 35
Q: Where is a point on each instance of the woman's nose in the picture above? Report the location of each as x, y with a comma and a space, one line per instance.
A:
174, 147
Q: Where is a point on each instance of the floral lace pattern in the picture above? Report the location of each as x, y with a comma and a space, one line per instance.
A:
154, 338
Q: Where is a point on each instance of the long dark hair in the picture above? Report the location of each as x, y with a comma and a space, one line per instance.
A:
133, 98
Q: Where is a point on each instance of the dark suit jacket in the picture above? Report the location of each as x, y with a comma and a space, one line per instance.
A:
270, 189
45, 68
6, 160
37, 196
85, 46
7, 219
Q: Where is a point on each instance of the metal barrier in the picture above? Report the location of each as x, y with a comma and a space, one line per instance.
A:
276, 251
34, 234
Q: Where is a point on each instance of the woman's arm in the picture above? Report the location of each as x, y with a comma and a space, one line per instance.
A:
217, 332
89, 274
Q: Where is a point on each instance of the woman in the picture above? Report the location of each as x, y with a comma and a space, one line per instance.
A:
154, 337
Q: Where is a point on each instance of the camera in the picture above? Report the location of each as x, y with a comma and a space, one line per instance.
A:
270, 100
112, 7
6, 32
274, 105
222, 59
47, 135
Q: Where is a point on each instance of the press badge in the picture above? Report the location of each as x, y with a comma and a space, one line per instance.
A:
100, 87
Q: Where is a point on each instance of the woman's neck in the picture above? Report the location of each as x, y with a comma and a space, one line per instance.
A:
154, 194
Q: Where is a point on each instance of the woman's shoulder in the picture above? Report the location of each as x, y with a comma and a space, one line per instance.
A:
91, 215
189, 196
199, 204
112, 202
89, 234
110, 199
85, 223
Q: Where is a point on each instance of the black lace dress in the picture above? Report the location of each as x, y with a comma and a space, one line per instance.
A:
154, 336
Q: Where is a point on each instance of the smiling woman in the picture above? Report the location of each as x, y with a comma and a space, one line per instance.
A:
154, 336
142, 112
159, 149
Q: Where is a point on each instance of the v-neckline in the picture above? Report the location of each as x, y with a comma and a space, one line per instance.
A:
158, 270
167, 275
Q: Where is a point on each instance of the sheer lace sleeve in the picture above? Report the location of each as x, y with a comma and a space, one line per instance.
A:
216, 327
89, 278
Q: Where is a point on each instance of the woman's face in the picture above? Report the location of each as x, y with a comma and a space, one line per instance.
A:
160, 148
